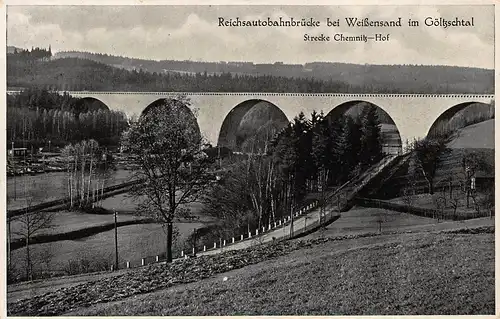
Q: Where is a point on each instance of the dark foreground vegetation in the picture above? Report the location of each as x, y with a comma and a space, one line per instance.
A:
411, 275
86, 71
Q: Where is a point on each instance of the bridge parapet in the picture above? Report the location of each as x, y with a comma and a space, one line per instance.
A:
271, 94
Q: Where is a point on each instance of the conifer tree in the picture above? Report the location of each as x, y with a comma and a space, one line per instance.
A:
371, 146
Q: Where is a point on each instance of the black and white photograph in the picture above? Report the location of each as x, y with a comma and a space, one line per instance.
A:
249, 160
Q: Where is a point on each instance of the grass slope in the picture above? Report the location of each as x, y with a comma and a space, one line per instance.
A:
480, 135
403, 274
477, 138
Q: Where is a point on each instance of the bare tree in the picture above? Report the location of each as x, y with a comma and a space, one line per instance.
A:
45, 255
28, 225
440, 203
428, 152
471, 164
488, 201
167, 145
67, 154
408, 192
383, 217
380, 219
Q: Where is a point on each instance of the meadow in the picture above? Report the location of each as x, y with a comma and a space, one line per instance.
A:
399, 274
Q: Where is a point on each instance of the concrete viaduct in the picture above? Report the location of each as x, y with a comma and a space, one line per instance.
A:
413, 114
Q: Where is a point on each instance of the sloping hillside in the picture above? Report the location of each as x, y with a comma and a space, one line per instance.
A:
480, 135
477, 138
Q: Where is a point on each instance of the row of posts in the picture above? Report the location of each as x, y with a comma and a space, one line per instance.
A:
223, 243
280, 222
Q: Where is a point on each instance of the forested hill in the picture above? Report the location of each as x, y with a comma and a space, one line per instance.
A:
88, 71
407, 77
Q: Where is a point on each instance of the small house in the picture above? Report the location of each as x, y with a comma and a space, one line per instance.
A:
22, 151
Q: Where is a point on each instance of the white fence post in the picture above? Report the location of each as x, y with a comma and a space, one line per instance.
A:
224, 243
269, 227
215, 245
128, 264
249, 234
241, 237
204, 248
157, 258
233, 240
256, 232
182, 253
142, 261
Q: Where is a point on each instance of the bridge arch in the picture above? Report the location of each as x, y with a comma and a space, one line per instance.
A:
248, 122
182, 107
89, 104
391, 136
413, 113
459, 116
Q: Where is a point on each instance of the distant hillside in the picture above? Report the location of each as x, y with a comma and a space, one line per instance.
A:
402, 78
74, 74
88, 71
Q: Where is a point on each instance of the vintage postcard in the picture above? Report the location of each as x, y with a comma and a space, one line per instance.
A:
220, 160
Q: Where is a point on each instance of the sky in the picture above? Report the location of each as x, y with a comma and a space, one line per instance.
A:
192, 33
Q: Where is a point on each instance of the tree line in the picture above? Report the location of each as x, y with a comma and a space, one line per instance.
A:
33, 54
36, 116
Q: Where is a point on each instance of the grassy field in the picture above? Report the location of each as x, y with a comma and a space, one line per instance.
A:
480, 135
363, 220
134, 243
406, 274
66, 221
46, 187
